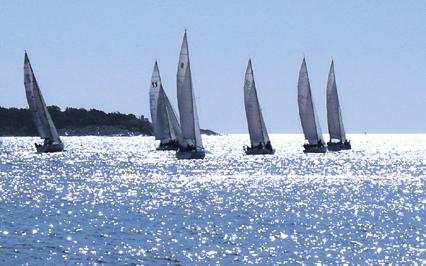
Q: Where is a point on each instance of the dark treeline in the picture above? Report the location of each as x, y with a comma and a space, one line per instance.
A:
73, 121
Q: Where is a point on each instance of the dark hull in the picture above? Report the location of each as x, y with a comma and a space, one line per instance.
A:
57, 147
333, 146
168, 147
314, 149
258, 151
188, 155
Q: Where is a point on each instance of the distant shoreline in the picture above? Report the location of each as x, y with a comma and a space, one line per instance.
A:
112, 131
18, 122
74, 121
105, 132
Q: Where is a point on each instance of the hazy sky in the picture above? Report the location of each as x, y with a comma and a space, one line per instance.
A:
100, 54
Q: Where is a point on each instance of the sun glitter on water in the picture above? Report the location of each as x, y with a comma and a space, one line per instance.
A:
117, 200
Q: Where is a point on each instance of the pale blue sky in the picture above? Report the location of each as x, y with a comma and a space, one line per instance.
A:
100, 54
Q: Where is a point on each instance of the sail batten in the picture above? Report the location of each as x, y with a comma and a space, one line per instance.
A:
37, 105
186, 101
334, 113
256, 125
307, 112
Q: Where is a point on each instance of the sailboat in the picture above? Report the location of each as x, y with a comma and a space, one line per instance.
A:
314, 141
338, 139
164, 119
191, 146
259, 139
41, 116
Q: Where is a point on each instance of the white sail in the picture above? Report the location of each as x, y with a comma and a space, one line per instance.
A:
186, 100
255, 122
174, 126
334, 113
153, 99
307, 112
161, 128
165, 123
41, 116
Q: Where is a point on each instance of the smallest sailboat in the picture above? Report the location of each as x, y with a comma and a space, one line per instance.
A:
41, 116
164, 119
338, 139
259, 139
314, 141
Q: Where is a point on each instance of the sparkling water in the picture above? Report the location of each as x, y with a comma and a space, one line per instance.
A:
117, 200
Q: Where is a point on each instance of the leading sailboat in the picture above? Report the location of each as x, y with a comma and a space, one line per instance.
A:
314, 141
191, 145
338, 139
164, 120
41, 116
259, 139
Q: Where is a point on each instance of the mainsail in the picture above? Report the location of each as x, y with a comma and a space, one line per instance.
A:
186, 101
334, 113
256, 124
41, 116
308, 116
154, 92
164, 119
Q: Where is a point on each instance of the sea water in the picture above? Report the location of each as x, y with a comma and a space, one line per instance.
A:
116, 200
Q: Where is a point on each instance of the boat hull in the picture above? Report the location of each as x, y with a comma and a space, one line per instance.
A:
314, 148
56, 147
333, 146
168, 147
188, 155
258, 151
